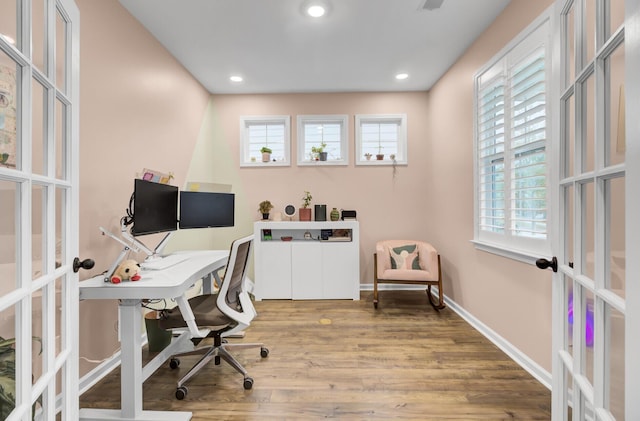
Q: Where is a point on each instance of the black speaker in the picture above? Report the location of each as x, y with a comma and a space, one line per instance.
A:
321, 212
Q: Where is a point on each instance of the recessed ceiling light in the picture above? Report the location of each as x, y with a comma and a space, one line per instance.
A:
236, 78
316, 10
402, 76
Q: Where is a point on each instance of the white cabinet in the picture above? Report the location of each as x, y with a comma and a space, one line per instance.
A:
326, 266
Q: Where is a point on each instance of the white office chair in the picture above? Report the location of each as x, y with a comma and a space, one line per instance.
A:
228, 311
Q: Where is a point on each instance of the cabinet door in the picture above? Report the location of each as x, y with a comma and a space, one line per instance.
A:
306, 270
273, 270
340, 271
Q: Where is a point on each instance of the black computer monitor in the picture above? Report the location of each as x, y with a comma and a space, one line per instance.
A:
206, 209
155, 207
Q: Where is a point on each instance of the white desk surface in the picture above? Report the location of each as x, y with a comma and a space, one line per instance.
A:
165, 283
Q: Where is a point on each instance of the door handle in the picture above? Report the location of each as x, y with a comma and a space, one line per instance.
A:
544, 263
85, 264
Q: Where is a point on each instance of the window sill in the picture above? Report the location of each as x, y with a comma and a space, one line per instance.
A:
265, 164
519, 255
335, 162
383, 162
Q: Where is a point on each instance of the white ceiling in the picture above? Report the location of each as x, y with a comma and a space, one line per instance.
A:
358, 46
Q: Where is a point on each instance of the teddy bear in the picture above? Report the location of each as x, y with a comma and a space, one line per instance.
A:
128, 270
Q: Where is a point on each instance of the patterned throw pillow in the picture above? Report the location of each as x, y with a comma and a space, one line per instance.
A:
405, 257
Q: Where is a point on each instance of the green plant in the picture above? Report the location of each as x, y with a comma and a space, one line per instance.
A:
265, 150
306, 199
265, 206
317, 150
8, 377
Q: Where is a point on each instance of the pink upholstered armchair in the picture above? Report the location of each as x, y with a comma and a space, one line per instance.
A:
407, 262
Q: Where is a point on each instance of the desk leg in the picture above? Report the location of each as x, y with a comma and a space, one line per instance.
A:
131, 354
131, 377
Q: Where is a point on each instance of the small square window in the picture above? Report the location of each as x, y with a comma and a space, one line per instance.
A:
322, 140
265, 141
381, 139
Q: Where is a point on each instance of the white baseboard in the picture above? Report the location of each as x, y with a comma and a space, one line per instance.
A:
533, 368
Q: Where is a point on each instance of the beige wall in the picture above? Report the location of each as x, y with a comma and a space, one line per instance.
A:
140, 108
512, 298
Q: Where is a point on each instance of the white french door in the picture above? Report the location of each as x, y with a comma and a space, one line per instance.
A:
39, 81
596, 293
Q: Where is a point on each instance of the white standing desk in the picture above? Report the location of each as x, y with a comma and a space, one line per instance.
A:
172, 282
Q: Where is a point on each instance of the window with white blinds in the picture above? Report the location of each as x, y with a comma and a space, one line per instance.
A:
272, 132
381, 139
511, 135
325, 133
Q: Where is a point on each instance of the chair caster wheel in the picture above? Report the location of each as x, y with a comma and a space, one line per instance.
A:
181, 392
174, 363
264, 352
248, 383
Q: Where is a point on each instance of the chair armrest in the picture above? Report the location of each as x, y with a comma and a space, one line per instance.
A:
383, 259
428, 257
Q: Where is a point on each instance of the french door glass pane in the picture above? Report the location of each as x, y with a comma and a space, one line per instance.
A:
569, 46
60, 144
37, 322
616, 279
38, 128
588, 124
588, 228
567, 314
615, 134
568, 137
588, 335
8, 111
7, 333
59, 221
616, 13
8, 21
616, 362
8, 252
38, 36
61, 52
38, 230
568, 223
590, 29
59, 291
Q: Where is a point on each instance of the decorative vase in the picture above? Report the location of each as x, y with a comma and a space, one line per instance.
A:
320, 212
335, 214
305, 214
266, 157
265, 216
323, 156
380, 156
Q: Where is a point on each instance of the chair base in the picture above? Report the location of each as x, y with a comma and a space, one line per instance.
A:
219, 350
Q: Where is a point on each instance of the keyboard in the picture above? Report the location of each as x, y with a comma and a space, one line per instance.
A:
163, 262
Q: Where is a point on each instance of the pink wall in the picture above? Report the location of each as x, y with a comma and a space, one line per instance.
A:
139, 108
512, 298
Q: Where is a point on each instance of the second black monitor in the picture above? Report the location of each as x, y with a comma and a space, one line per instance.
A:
206, 209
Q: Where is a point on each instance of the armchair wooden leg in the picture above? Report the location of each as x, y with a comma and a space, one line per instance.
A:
437, 305
375, 280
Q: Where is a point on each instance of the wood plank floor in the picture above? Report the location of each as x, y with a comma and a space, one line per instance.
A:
345, 360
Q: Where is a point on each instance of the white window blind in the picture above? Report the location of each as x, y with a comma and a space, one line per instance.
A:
511, 148
268, 131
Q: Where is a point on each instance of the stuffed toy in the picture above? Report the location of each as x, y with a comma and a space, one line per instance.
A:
127, 271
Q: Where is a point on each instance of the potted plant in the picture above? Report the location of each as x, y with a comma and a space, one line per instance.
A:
379, 155
318, 152
8, 377
367, 156
266, 154
305, 210
264, 207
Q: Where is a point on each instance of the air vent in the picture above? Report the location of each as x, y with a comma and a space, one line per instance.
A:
431, 4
